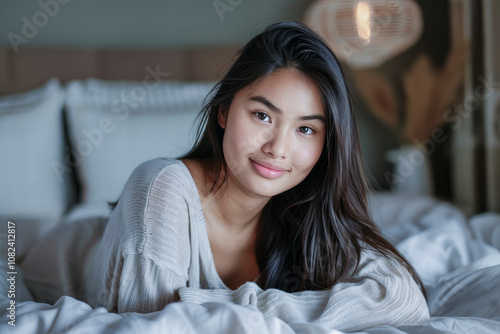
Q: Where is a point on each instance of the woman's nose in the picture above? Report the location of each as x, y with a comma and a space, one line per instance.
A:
277, 144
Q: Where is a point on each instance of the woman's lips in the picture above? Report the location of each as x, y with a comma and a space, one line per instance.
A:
268, 170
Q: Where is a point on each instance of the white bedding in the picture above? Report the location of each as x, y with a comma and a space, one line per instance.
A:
457, 258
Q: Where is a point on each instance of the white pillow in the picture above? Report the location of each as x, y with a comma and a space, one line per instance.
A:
31, 141
115, 126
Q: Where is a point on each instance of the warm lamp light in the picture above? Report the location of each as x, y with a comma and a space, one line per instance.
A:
366, 33
363, 21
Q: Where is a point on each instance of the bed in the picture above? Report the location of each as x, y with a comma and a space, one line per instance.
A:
69, 144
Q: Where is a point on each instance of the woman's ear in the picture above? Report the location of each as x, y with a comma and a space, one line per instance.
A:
221, 118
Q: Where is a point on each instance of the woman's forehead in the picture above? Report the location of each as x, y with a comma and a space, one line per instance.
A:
285, 89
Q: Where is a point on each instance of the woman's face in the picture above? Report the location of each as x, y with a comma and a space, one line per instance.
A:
274, 133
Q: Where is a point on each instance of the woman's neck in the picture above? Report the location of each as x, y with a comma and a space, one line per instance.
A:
233, 208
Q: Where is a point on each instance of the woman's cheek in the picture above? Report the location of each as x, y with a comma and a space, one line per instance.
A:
237, 146
248, 138
307, 158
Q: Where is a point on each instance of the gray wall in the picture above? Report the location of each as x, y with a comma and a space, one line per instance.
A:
141, 24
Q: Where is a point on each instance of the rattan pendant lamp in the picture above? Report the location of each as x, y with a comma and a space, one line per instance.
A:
366, 33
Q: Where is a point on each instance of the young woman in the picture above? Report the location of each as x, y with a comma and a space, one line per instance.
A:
269, 207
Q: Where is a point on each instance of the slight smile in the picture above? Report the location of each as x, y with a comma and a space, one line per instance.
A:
268, 170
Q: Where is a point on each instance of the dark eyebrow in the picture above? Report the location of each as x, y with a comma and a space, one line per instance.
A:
267, 103
313, 117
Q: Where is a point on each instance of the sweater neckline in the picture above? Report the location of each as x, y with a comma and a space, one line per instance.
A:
204, 234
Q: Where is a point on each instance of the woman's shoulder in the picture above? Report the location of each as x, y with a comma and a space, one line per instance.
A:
159, 182
383, 266
157, 207
375, 260
165, 172
396, 282
388, 271
151, 168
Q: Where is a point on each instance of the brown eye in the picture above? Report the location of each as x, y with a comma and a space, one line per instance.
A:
306, 130
262, 116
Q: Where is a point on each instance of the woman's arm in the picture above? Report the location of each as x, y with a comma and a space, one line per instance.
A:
143, 257
381, 293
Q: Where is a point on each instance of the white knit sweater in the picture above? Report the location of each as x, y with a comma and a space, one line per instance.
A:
155, 250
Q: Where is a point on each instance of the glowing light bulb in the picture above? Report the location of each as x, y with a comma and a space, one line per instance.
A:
363, 21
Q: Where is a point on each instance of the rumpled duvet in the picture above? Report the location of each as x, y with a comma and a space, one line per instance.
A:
458, 259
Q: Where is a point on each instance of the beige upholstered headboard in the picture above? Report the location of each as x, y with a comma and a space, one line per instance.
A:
31, 67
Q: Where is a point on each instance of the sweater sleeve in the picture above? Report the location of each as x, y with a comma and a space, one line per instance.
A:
381, 293
143, 257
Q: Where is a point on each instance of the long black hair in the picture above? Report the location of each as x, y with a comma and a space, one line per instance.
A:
311, 236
